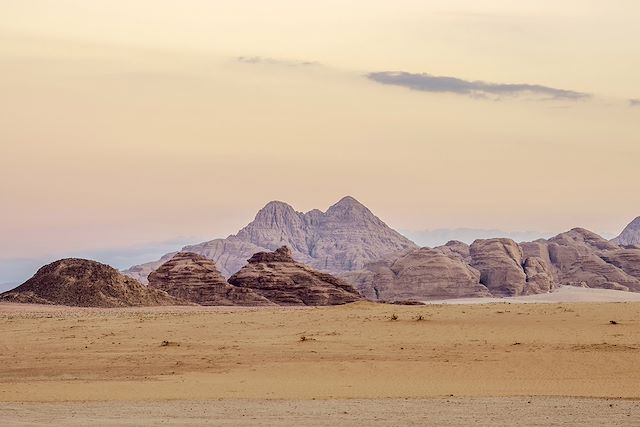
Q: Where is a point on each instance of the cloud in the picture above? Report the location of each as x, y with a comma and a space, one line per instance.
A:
440, 84
274, 61
634, 103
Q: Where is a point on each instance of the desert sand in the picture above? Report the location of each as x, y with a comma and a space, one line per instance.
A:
188, 365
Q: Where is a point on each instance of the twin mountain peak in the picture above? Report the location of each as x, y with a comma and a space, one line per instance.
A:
344, 238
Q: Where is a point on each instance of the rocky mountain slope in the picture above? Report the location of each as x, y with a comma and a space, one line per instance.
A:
344, 238
85, 283
277, 277
630, 236
196, 279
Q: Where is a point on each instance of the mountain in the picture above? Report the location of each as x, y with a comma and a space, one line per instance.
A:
277, 277
344, 238
196, 279
630, 236
85, 283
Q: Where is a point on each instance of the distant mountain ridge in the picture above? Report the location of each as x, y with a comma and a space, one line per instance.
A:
344, 238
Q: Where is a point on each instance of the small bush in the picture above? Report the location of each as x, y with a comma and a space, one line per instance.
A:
394, 317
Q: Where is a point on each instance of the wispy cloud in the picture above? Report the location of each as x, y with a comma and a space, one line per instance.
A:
429, 83
634, 103
274, 61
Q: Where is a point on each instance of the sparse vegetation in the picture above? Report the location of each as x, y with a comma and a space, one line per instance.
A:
419, 318
393, 317
613, 322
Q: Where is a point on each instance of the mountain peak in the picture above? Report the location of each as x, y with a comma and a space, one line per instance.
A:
349, 201
277, 205
277, 211
349, 207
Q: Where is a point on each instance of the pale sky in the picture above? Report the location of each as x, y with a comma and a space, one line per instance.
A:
127, 123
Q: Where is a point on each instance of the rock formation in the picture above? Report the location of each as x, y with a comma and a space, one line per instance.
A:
194, 278
580, 257
344, 238
85, 283
456, 248
499, 262
630, 236
277, 277
419, 274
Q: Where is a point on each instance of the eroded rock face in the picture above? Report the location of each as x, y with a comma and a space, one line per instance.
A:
499, 262
630, 236
539, 276
456, 248
579, 257
627, 260
196, 279
85, 283
344, 238
141, 272
419, 275
277, 277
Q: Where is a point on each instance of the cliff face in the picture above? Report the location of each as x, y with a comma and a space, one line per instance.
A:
344, 238
277, 277
85, 283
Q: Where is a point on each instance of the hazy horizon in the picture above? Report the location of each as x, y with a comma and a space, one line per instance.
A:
15, 270
131, 124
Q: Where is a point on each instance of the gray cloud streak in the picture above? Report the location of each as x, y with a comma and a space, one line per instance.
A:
274, 61
634, 103
429, 83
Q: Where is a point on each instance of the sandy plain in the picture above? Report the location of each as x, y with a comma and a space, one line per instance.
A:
495, 363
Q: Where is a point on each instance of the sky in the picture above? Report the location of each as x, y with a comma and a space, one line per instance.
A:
130, 126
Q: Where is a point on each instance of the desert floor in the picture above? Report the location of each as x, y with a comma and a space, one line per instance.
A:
500, 363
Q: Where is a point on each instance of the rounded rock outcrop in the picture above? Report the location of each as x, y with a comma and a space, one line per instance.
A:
85, 283
277, 277
196, 279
